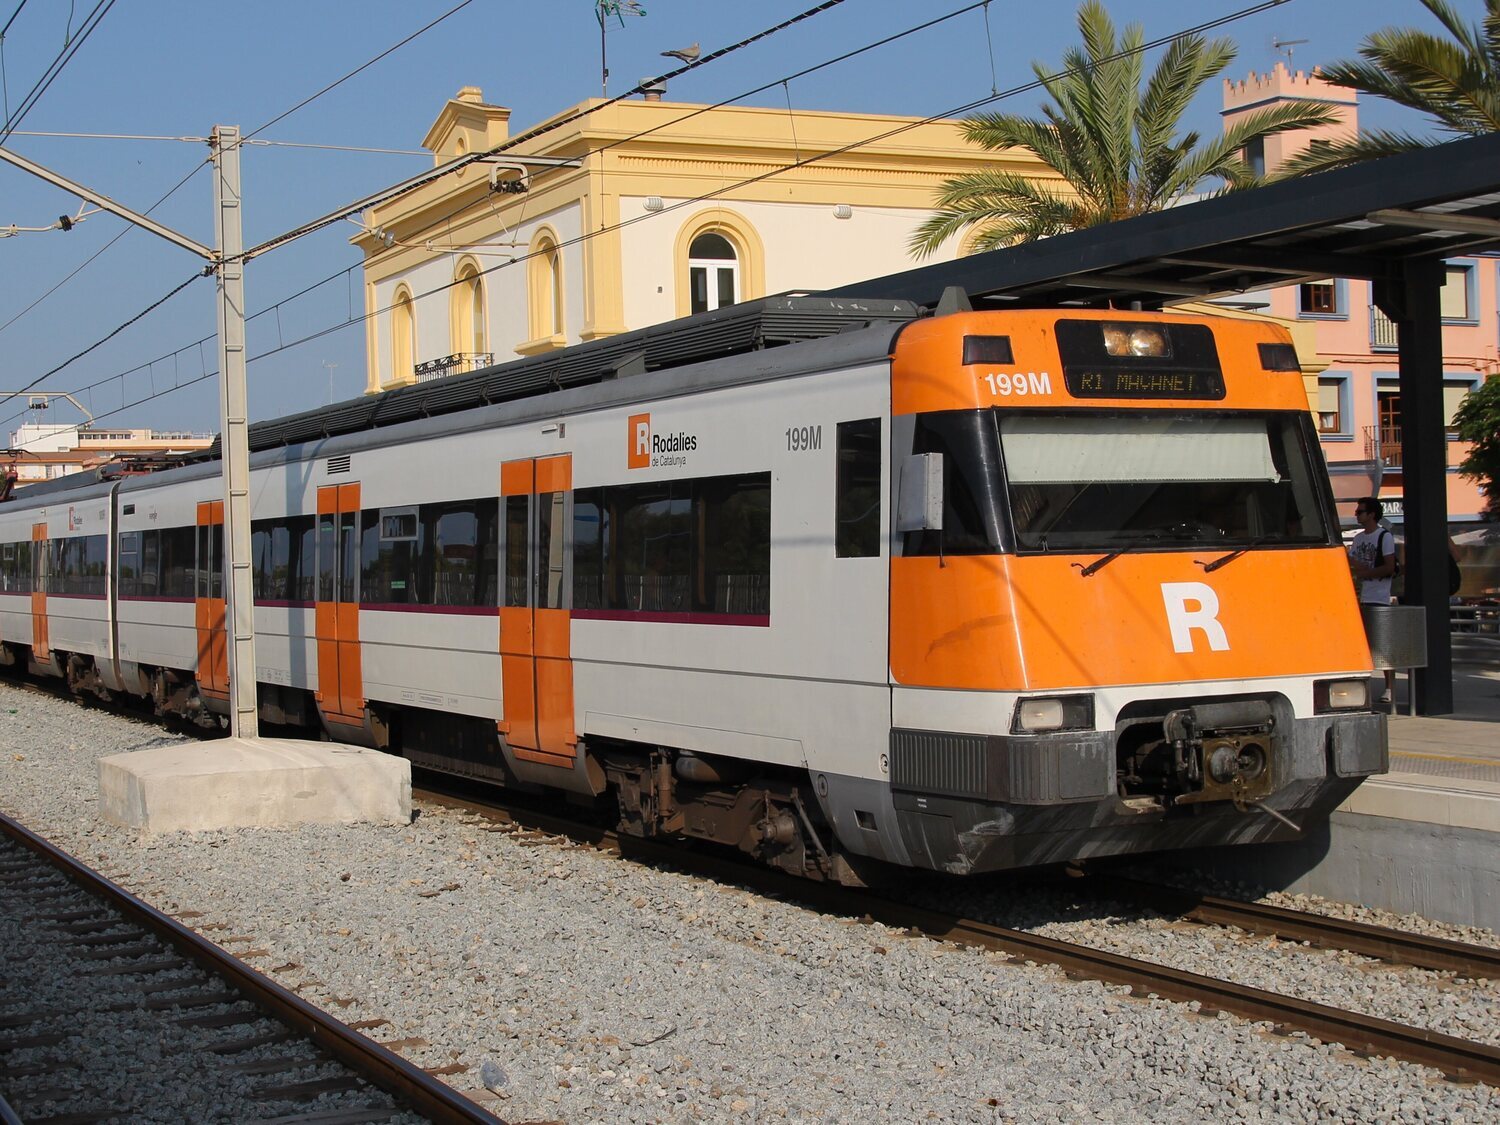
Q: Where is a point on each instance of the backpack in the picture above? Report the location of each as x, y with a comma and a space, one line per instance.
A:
1455, 576
1380, 547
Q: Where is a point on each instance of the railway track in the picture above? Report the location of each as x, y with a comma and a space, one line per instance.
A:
1459, 1059
1397, 947
89, 971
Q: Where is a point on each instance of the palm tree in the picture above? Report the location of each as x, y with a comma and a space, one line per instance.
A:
1456, 82
1116, 147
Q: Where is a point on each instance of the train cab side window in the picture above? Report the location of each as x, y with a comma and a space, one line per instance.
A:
857, 501
972, 492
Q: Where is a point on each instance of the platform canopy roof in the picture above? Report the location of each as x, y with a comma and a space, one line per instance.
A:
1360, 222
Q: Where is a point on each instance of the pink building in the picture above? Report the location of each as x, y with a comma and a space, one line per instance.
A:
1359, 403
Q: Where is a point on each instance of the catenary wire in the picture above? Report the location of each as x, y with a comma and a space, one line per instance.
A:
699, 62
207, 160
455, 165
847, 55
968, 107
65, 56
363, 66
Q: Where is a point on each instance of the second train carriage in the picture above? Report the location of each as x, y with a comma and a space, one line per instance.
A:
963, 592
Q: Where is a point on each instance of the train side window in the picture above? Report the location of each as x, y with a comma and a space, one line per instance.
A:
150, 580
550, 566
216, 561
15, 567
590, 533
857, 497
261, 532
390, 557
515, 549
453, 548
348, 557
302, 559
130, 564
696, 546
327, 555
487, 581
733, 544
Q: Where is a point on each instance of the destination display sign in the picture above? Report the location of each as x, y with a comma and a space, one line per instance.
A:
1115, 382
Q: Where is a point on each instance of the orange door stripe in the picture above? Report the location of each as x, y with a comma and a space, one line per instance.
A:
341, 692
536, 666
40, 649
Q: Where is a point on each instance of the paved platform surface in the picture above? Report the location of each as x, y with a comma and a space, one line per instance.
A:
1445, 770
239, 783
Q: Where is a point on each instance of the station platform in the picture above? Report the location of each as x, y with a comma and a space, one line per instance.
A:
243, 783
1423, 838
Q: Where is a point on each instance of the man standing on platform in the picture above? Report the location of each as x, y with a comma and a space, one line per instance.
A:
1372, 561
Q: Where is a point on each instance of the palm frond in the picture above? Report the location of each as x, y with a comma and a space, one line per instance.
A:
1325, 156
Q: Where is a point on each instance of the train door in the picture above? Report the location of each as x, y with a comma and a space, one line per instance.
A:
535, 655
40, 564
341, 693
208, 602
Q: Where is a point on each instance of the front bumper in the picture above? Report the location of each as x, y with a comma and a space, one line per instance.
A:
969, 803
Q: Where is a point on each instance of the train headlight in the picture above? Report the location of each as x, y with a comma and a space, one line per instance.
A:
1059, 712
1340, 695
1137, 340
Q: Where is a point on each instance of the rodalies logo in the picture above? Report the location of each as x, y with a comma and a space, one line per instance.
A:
656, 451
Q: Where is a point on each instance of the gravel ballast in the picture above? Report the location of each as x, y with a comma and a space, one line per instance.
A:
581, 987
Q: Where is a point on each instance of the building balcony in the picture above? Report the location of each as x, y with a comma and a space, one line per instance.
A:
457, 364
1383, 444
1382, 331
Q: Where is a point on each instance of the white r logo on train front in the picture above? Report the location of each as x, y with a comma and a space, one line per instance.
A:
1193, 605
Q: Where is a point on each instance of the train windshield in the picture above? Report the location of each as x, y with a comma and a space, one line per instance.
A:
1159, 479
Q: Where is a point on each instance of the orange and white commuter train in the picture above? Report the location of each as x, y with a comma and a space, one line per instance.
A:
830, 581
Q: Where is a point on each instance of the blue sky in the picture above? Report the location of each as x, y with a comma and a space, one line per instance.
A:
176, 68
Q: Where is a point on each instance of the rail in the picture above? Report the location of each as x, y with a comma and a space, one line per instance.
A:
1459, 1059
380, 1066
1397, 947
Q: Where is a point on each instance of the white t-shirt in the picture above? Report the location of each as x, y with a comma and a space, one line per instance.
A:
1366, 550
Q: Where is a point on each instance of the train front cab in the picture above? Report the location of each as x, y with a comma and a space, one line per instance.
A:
1121, 616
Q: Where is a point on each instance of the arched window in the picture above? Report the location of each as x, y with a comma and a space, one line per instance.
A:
403, 338
546, 289
713, 273
469, 336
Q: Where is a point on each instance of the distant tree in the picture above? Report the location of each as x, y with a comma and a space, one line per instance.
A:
1117, 146
1478, 422
1453, 81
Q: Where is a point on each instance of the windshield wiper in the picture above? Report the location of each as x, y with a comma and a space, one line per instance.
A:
1225, 560
1099, 563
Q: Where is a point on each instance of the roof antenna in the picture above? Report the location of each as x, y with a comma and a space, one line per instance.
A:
955, 298
1285, 47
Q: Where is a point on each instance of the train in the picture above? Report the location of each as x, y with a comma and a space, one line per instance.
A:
852, 586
